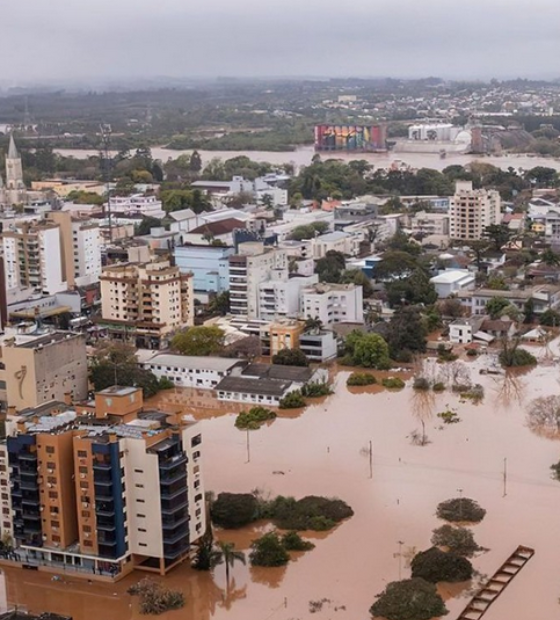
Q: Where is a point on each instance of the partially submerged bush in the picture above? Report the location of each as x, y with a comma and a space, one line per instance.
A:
292, 400
409, 599
309, 513
458, 540
314, 389
234, 510
517, 357
155, 599
254, 418
292, 541
439, 387
449, 416
435, 565
268, 550
421, 383
460, 509
360, 378
393, 383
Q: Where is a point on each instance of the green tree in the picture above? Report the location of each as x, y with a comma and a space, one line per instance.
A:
550, 318
497, 283
147, 224
330, 267
410, 599
416, 289
371, 351
435, 565
459, 540
499, 234
543, 176
200, 340
268, 550
228, 555
195, 162
406, 333
460, 509
395, 264
234, 510
290, 357
495, 306
512, 312
551, 258
359, 278
219, 304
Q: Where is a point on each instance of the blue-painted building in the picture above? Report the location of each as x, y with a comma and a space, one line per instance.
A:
209, 266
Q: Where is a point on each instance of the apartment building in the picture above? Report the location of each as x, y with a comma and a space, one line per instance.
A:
248, 269
43, 369
280, 294
333, 303
105, 490
428, 224
471, 211
33, 258
137, 204
209, 266
80, 248
145, 302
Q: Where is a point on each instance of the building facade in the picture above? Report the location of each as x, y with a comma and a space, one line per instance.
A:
105, 490
145, 302
333, 303
44, 369
208, 265
33, 258
471, 211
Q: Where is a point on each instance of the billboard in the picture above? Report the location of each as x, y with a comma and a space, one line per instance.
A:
350, 138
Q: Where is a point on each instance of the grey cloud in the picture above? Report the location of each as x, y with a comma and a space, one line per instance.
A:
96, 38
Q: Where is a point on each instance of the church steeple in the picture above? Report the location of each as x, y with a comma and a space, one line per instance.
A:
12, 150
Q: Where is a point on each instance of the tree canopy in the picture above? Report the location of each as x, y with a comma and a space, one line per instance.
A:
409, 599
435, 565
199, 340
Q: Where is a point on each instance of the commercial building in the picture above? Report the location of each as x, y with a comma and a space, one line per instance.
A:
428, 224
43, 369
280, 294
145, 302
542, 296
471, 211
333, 303
105, 488
189, 371
137, 204
263, 384
451, 281
209, 267
348, 244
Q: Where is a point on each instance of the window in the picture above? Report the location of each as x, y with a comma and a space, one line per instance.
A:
141, 529
56, 538
88, 543
53, 494
51, 465
195, 441
140, 501
196, 484
196, 455
139, 486
50, 449
142, 544
85, 514
87, 528
55, 524
138, 471
83, 470
84, 484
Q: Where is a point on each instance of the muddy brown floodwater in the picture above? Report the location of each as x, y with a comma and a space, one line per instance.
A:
323, 450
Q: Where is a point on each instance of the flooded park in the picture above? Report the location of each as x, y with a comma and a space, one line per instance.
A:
489, 455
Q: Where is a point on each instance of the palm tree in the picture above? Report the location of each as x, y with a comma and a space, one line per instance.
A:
228, 555
314, 325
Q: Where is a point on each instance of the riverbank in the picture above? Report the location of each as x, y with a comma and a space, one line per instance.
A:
303, 156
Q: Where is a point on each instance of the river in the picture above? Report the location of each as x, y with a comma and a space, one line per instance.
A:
303, 156
322, 450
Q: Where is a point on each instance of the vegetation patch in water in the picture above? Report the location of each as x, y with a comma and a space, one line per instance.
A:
254, 418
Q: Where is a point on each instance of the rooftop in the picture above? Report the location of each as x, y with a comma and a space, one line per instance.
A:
118, 390
452, 276
219, 364
263, 386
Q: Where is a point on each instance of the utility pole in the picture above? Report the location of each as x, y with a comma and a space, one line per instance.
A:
505, 477
248, 448
400, 543
370, 459
460, 504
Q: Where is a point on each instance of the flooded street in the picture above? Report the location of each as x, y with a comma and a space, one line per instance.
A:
323, 450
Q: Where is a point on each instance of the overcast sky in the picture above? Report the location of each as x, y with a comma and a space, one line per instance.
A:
69, 39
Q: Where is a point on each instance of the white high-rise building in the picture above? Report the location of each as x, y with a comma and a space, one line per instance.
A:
33, 258
333, 303
471, 211
248, 269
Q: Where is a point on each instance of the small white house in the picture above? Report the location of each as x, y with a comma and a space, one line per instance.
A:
452, 281
462, 331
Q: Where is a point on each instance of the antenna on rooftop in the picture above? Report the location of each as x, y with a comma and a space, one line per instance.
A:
105, 130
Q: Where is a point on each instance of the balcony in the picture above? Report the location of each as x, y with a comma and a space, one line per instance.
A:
101, 466
168, 480
171, 463
106, 527
172, 524
28, 456
172, 493
167, 509
173, 539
